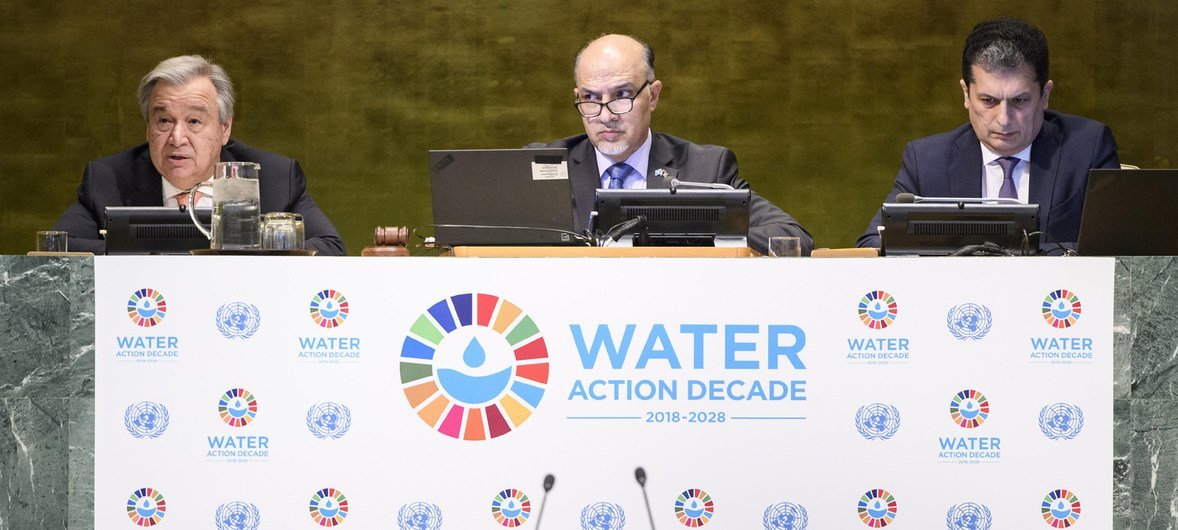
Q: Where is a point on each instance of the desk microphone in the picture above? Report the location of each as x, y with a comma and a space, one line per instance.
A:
640, 476
549, 480
909, 198
674, 184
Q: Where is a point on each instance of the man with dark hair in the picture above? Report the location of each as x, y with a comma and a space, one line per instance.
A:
187, 103
615, 93
1012, 147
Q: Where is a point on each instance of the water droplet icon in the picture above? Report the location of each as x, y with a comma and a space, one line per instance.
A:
475, 355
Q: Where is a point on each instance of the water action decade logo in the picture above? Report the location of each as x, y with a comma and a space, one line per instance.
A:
329, 420
786, 516
238, 320
603, 516
419, 516
877, 508
474, 366
146, 507
1060, 508
877, 309
877, 421
969, 321
694, 508
329, 308
511, 508
969, 409
1061, 309
146, 419
238, 515
968, 516
237, 407
1061, 421
146, 307
328, 506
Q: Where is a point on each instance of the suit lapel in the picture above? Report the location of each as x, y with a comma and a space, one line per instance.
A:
965, 166
1044, 169
585, 180
148, 188
661, 157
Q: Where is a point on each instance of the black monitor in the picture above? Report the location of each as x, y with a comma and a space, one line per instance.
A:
153, 230
682, 217
942, 229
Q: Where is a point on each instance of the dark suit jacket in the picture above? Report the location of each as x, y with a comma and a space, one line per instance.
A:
687, 162
130, 179
950, 165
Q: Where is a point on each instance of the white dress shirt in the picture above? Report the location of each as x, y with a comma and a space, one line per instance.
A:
992, 178
640, 161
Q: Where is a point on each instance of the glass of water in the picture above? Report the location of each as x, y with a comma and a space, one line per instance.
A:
282, 231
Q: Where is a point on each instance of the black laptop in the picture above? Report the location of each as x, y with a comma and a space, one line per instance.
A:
502, 197
1130, 212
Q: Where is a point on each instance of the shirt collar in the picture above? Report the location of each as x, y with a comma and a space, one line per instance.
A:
170, 191
640, 160
989, 156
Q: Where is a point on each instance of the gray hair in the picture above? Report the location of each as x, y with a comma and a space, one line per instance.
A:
181, 70
647, 56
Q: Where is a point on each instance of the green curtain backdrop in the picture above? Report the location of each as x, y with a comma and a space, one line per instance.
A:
817, 98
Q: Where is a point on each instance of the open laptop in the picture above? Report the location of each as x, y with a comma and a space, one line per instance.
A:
1130, 212
502, 197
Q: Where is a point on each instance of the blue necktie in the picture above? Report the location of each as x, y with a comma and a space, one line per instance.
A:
617, 175
1008, 190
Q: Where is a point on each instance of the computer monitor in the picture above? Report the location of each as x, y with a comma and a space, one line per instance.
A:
683, 217
1130, 212
153, 230
941, 229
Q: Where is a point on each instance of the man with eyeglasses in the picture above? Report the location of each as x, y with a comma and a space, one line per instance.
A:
615, 94
187, 103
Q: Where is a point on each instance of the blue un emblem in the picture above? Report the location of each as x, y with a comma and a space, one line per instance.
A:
419, 516
238, 320
1061, 421
603, 516
969, 321
146, 419
968, 516
786, 516
877, 421
329, 420
238, 515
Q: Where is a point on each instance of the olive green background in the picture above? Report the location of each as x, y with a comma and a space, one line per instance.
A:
817, 98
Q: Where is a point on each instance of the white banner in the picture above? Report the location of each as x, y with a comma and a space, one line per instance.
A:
430, 393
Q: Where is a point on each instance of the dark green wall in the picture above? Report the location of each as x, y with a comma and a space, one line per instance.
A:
817, 98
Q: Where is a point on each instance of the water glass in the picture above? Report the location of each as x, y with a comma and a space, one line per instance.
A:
785, 247
52, 241
282, 231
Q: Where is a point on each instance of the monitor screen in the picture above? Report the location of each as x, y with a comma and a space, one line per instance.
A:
153, 230
941, 229
683, 217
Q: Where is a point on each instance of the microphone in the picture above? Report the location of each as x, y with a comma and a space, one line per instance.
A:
909, 198
623, 227
640, 476
549, 480
674, 184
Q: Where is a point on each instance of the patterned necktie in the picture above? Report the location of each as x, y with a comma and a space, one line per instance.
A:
182, 198
1008, 190
617, 175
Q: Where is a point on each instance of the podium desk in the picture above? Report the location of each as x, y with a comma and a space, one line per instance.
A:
604, 252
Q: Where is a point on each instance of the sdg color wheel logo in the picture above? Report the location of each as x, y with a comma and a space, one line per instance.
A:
877, 508
694, 508
877, 309
1061, 509
474, 366
969, 409
329, 308
146, 507
511, 508
328, 507
1061, 309
237, 407
146, 307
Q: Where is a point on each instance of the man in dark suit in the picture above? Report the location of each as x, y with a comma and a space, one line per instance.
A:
187, 103
616, 93
1012, 147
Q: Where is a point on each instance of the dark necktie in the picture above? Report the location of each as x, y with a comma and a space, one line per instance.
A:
617, 175
1008, 190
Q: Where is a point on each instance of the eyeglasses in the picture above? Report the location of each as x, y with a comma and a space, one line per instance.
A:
591, 109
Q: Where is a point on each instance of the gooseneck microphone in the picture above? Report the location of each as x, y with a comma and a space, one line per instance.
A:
674, 184
549, 480
909, 198
640, 476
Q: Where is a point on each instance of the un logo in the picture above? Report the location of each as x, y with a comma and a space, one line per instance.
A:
969, 321
1061, 421
877, 421
603, 516
238, 515
146, 419
238, 320
968, 516
329, 420
419, 516
786, 516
